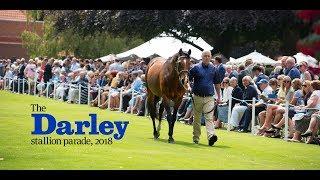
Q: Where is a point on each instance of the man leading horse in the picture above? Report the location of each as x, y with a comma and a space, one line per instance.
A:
204, 75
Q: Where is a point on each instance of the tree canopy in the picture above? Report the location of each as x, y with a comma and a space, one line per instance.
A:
230, 32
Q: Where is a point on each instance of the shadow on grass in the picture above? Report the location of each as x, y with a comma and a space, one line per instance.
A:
189, 144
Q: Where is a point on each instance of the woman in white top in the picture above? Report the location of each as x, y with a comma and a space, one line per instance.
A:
302, 120
227, 92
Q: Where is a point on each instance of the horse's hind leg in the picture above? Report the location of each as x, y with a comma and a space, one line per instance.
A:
151, 103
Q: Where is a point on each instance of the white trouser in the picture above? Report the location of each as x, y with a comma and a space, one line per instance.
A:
236, 115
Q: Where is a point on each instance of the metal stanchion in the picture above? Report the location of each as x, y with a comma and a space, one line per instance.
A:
18, 85
35, 88
229, 113
79, 94
54, 90
23, 86
120, 105
132, 103
29, 87
109, 97
47, 93
253, 115
98, 95
286, 121
146, 107
13, 85
4, 83
88, 94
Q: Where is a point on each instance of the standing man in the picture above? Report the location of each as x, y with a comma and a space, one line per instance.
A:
204, 75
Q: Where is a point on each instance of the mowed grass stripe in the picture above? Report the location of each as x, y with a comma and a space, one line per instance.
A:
137, 149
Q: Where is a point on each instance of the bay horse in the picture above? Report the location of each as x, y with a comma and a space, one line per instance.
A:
167, 79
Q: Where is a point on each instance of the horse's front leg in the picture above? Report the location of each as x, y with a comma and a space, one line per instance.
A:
173, 120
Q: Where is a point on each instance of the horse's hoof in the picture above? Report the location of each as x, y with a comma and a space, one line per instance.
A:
171, 140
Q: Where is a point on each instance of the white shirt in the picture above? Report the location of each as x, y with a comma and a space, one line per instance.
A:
268, 90
227, 93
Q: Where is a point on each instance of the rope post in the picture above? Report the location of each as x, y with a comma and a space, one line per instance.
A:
109, 97
98, 95
18, 85
29, 89
54, 90
146, 106
35, 88
88, 94
13, 85
47, 93
286, 121
120, 105
132, 103
4, 83
253, 115
79, 94
23, 86
229, 112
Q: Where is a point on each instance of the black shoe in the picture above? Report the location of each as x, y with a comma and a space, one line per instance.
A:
240, 130
306, 134
212, 140
274, 127
243, 131
271, 130
196, 142
140, 114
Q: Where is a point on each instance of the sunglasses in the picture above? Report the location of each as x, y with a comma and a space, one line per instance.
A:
286, 81
225, 82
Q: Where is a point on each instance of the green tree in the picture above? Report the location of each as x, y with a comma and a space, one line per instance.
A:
223, 29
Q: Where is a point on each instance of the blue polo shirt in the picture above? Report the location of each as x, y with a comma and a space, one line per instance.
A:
293, 73
203, 78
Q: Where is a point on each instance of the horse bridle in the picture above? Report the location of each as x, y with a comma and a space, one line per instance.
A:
180, 72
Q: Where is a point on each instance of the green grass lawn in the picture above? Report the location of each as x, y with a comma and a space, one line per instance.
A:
137, 149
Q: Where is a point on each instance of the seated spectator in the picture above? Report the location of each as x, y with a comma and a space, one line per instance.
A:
313, 128
272, 108
249, 92
302, 119
306, 93
259, 106
291, 69
226, 93
305, 74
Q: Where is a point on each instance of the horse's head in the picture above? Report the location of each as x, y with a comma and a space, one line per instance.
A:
181, 63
